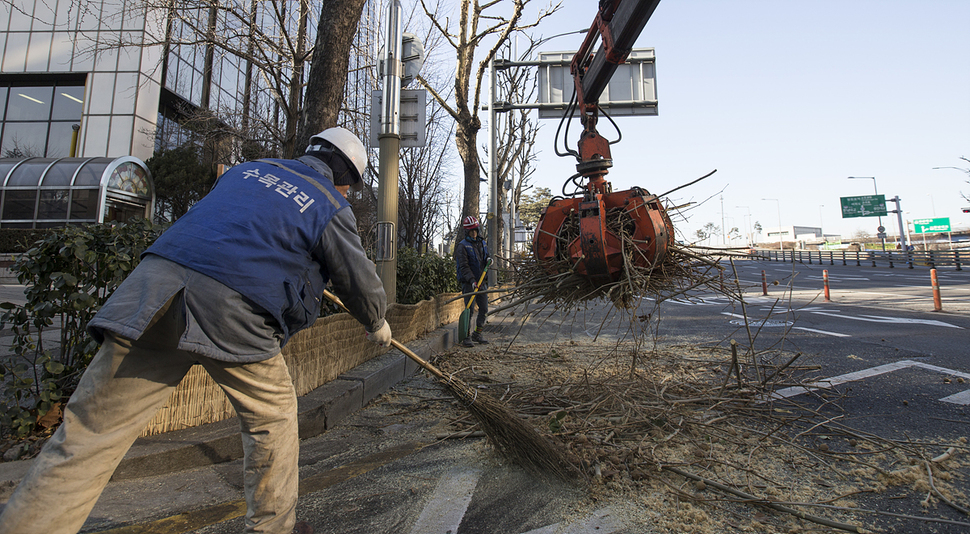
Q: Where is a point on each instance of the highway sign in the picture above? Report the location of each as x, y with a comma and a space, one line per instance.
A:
864, 206
931, 226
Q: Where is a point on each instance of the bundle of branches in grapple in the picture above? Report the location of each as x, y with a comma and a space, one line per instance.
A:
672, 272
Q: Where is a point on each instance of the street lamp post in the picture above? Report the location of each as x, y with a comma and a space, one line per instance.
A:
781, 244
821, 225
747, 227
876, 191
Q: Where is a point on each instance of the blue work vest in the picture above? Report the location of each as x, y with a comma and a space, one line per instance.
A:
254, 232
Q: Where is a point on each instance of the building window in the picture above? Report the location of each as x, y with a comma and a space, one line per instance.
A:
37, 120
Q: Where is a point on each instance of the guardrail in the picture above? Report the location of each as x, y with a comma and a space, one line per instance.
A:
930, 258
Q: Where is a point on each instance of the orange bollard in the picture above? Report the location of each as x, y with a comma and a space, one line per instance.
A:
937, 301
825, 281
764, 283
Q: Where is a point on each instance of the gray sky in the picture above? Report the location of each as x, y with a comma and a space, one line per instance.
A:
786, 99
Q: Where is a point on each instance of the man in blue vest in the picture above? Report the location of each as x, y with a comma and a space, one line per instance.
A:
471, 257
225, 287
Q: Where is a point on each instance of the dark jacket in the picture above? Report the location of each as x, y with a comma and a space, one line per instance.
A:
471, 255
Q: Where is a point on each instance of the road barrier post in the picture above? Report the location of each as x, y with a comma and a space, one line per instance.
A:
764, 283
825, 281
937, 301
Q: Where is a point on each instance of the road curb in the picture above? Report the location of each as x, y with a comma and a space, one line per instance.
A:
319, 410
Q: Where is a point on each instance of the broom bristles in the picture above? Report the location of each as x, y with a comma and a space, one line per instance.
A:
516, 441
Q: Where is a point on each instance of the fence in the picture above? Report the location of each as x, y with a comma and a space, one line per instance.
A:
912, 259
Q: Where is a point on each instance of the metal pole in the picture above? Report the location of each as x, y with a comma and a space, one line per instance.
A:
492, 216
723, 228
390, 146
899, 221
511, 216
883, 239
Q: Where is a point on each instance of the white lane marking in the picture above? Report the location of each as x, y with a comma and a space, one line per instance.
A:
836, 334
890, 320
785, 323
448, 503
959, 398
602, 521
962, 398
836, 278
896, 295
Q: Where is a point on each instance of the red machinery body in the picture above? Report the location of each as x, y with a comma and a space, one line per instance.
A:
582, 230
597, 252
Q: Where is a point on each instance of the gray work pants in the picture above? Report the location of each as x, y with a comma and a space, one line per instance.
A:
119, 393
480, 301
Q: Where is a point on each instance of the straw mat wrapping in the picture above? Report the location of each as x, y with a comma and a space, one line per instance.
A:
315, 356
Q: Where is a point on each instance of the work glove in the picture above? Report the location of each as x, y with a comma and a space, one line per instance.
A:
382, 337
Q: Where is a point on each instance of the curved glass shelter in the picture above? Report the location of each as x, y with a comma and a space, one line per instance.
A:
52, 192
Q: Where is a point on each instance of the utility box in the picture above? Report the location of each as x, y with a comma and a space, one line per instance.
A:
413, 118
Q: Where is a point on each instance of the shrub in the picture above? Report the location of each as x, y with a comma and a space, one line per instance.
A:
69, 274
423, 276
17, 240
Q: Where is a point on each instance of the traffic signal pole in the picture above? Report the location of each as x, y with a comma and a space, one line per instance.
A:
389, 159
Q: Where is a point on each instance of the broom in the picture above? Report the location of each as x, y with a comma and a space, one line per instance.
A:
515, 440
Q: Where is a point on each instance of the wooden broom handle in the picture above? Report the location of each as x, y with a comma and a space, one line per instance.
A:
394, 343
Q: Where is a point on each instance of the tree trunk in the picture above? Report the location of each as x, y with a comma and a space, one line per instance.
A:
466, 139
328, 69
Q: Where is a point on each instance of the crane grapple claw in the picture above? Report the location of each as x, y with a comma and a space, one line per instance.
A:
595, 236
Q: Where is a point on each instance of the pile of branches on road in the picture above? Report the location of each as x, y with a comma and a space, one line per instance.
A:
714, 426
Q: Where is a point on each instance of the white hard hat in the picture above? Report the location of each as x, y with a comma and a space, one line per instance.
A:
349, 146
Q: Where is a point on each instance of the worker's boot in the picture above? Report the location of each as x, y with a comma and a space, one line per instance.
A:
467, 342
477, 337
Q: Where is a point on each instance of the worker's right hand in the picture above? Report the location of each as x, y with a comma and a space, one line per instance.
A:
382, 336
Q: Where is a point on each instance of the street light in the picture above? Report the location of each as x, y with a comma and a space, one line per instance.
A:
821, 226
748, 227
876, 191
781, 245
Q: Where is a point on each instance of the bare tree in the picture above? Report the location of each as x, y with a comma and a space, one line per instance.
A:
331, 58
269, 41
474, 27
422, 187
964, 171
516, 133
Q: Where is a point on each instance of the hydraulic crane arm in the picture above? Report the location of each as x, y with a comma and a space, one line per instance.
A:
598, 234
619, 22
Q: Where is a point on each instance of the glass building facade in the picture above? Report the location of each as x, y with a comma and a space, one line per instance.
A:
114, 78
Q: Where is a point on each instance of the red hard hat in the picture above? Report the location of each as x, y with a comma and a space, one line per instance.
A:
470, 223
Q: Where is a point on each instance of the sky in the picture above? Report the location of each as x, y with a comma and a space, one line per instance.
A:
786, 100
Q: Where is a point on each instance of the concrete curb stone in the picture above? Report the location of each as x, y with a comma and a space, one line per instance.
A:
319, 410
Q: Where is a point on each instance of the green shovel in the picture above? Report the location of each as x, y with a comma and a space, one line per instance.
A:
465, 317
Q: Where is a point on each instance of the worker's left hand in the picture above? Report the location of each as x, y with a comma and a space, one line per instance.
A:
382, 337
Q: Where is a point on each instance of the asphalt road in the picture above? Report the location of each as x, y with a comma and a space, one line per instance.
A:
903, 368
897, 362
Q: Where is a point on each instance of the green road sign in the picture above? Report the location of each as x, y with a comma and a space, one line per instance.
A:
864, 206
931, 226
